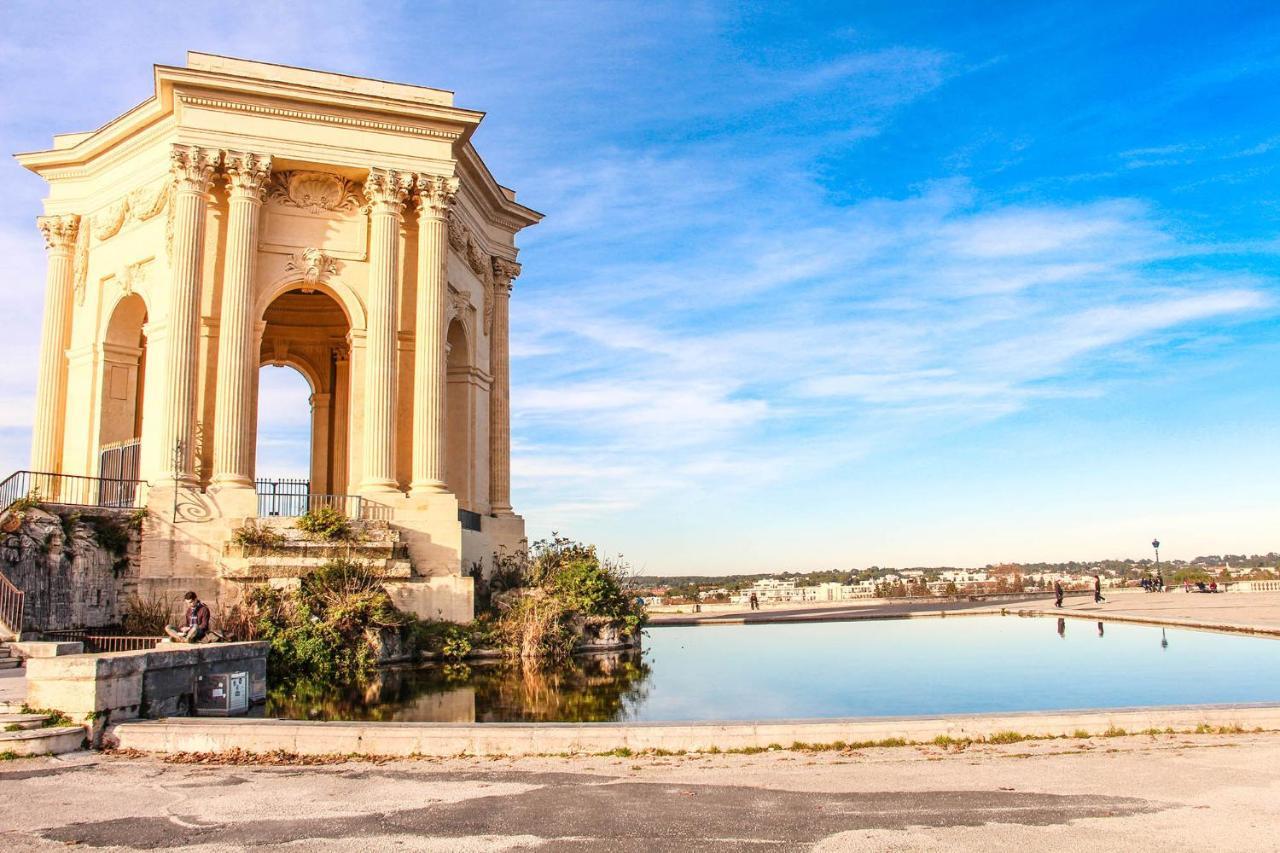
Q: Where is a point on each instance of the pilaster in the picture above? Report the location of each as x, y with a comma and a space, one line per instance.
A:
504, 271
60, 233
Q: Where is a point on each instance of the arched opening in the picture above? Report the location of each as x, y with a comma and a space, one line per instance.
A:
302, 412
124, 363
459, 423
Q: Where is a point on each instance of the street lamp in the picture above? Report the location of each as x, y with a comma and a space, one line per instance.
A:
1155, 543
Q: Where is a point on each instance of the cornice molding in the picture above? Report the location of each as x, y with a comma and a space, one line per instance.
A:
321, 118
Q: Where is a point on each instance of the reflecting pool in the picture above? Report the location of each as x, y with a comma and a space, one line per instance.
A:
832, 669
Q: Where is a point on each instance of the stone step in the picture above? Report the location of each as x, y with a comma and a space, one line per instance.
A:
5, 652
11, 707
51, 741
262, 568
10, 663
21, 721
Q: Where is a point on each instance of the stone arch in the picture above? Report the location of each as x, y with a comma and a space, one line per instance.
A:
123, 388
460, 407
334, 288
307, 327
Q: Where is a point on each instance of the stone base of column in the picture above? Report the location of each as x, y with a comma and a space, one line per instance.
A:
502, 511
380, 488
428, 487
235, 499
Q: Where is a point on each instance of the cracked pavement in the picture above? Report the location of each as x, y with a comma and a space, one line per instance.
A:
1165, 792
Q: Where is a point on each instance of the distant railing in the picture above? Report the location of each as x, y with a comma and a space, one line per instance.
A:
70, 489
10, 605
101, 640
289, 498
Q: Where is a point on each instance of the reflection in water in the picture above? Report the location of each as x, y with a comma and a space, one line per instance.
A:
1062, 627
1099, 629
588, 688
1164, 641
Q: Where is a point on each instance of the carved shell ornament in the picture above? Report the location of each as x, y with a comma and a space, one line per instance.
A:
316, 191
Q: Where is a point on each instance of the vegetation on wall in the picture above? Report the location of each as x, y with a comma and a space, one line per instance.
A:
146, 617
326, 523
252, 534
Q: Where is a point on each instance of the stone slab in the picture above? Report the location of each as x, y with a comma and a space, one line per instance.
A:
448, 739
46, 648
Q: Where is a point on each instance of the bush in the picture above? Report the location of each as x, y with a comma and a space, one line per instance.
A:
251, 534
146, 617
329, 628
325, 522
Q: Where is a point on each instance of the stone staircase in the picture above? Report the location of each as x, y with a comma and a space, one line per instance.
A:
8, 660
25, 733
376, 544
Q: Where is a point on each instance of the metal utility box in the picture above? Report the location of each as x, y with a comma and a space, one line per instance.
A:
223, 695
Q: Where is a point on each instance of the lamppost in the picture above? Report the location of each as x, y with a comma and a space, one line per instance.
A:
1155, 543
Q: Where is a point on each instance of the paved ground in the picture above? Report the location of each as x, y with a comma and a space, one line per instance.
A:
13, 685
1244, 609
1166, 793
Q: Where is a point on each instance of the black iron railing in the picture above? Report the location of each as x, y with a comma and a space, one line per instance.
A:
289, 498
470, 520
70, 489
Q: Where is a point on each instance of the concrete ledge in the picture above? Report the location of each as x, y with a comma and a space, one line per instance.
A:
1158, 621
46, 648
446, 739
52, 741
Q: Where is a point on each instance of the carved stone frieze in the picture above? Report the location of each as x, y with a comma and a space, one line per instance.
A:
458, 233
316, 192
146, 202
80, 267
313, 265
107, 223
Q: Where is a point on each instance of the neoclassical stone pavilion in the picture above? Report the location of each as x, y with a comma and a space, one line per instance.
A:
250, 214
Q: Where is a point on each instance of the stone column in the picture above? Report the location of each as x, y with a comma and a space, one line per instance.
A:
60, 234
386, 191
435, 194
500, 393
233, 445
193, 169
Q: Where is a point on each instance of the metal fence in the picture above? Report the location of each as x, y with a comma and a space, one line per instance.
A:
70, 489
10, 605
100, 640
289, 498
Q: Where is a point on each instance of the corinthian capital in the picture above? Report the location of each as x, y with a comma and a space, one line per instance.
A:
193, 167
247, 173
503, 272
59, 232
387, 190
435, 195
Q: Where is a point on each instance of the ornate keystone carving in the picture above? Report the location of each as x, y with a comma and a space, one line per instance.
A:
313, 265
193, 167
247, 173
133, 276
387, 190
458, 304
436, 194
59, 232
316, 191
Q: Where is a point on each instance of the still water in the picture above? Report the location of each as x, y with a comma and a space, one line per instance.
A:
832, 669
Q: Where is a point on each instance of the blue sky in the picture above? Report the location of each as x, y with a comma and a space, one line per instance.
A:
819, 285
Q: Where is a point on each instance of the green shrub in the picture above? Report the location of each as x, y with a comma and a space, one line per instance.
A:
325, 522
26, 503
251, 534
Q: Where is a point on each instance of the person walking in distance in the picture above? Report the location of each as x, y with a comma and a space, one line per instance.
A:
1057, 592
755, 602
1097, 590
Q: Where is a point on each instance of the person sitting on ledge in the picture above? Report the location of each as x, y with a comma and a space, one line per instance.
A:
195, 623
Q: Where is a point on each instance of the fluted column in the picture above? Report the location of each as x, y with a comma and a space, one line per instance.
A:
500, 393
386, 191
46, 439
435, 194
193, 169
233, 447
